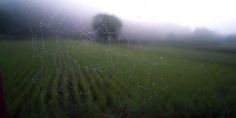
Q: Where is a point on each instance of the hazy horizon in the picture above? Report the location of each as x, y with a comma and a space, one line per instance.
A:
218, 16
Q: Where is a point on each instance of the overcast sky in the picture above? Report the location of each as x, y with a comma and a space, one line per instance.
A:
218, 15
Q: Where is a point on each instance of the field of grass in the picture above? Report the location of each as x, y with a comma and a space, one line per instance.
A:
69, 78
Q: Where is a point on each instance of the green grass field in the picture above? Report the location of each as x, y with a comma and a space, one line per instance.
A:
69, 78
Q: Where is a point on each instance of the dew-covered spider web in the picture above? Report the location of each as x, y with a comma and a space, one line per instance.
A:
63, 71
57, 62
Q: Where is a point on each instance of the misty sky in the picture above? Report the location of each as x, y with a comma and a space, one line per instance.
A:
218, 15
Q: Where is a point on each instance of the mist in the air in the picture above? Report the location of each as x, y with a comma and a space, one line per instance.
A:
73, 19
117, 58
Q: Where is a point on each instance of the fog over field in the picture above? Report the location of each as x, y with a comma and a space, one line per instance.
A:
151, 19
117, 59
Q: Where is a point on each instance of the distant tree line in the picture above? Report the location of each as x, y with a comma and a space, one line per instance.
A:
13, 23
36, 22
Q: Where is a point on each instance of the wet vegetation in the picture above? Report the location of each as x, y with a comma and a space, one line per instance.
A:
76, 78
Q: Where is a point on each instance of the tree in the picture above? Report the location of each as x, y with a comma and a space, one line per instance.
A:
107, 27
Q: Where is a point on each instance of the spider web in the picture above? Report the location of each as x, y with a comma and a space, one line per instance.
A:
67, 65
